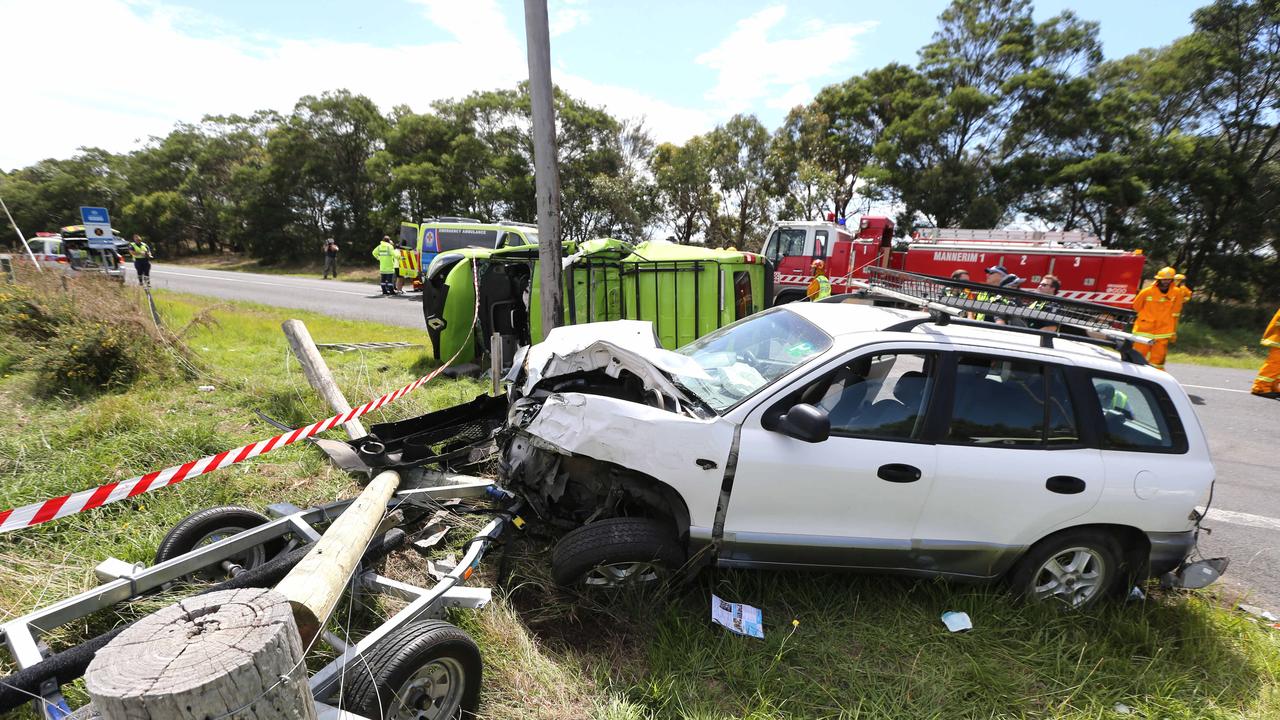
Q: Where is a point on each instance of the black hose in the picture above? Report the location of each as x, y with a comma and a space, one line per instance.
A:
70, 664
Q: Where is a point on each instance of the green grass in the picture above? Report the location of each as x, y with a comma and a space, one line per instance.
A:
865, 646
1202, 343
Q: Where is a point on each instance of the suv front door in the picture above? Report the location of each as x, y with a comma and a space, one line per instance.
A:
1013, 466
853, 499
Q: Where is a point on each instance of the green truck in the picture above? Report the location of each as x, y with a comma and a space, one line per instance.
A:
685, 291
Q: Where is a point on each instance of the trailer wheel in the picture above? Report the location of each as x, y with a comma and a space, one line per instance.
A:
618, 552
428, 670
211, 525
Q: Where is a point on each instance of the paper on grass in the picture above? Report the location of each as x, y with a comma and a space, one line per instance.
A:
738, 618
957, 621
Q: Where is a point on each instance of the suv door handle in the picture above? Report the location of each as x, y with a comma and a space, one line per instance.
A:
898, 473
1064, 485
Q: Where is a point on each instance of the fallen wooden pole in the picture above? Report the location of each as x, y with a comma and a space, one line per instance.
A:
315, 585
318, 375
232, 654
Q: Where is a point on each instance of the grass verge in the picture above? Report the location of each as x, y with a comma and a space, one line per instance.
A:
865, 647
359, 267
1203, 343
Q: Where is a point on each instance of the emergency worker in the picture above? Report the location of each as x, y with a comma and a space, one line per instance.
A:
1184, 294
820, 286
1267, 384
385, 254
141, 260
1049, 285
1156, 305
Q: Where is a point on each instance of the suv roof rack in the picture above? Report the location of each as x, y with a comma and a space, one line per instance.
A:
948, 299
451, 219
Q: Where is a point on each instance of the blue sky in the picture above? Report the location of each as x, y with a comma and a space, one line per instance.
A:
684, 66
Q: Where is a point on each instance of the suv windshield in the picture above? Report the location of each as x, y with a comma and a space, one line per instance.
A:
743, 357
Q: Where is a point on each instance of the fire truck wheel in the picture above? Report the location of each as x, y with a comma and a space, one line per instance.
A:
426, 670
211, 525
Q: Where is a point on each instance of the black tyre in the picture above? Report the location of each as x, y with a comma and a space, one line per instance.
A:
210, 526
428, 670
617, 552
1074, 568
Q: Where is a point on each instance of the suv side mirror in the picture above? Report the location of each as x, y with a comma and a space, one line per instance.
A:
805, 422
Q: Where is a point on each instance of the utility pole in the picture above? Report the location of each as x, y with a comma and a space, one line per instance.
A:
546, 172
27, 245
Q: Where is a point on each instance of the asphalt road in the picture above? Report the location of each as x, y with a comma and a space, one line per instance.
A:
1243, 430
355, 301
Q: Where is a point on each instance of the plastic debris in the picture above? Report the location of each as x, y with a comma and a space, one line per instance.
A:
957, 621
206, 388
1258, 612
1136, 594
1122, 709
737, 617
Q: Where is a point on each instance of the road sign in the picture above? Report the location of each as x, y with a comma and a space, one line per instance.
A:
97, 224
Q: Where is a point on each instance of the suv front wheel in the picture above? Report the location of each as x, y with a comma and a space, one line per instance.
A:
615, 553
1075, 568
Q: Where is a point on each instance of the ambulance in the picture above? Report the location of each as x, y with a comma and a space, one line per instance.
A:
421, 242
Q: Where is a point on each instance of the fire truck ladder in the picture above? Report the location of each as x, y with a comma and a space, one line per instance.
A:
976, 305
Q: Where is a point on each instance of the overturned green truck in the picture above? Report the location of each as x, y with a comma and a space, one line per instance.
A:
685, 291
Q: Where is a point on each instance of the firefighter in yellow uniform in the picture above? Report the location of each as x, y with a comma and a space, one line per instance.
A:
1183, 294
1156, 305
820, 286
1267, 384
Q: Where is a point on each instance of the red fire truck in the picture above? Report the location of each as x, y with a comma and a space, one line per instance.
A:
1087, 270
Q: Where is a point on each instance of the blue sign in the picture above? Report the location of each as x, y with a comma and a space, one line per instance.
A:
94, 216
97, 224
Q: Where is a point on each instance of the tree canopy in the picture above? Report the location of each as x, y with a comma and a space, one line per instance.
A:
1001, 120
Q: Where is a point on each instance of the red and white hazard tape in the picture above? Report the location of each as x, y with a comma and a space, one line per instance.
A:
85, 500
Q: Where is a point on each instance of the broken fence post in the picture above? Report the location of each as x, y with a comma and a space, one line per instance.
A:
232, 654
318, 375
315, 585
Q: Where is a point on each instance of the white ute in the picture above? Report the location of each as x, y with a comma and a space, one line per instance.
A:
830, 435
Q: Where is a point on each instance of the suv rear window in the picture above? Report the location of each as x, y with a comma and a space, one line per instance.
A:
1011, 403
1136, 417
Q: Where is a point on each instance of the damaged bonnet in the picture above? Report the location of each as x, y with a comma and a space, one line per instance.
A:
610, 347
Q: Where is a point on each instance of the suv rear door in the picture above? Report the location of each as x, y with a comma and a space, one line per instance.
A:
1013, 463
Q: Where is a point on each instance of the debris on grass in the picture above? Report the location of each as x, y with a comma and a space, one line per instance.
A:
1258, 612
957, 621
206, 388
1122, 709
737, 617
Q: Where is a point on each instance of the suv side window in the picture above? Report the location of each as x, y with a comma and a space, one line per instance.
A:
877, 396
1134, 418
1000, 402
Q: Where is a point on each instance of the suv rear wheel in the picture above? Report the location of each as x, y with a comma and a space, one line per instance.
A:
1075, 568
618, 552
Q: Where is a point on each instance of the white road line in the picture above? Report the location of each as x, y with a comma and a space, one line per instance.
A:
1210, 387
256, 282
1239, 518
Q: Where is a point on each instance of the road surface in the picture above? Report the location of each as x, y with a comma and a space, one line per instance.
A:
355, 301
1243, 430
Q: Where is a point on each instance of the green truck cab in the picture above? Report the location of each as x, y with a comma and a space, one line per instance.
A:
685, 291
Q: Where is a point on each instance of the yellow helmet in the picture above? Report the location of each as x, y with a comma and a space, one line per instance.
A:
1166, 273
1179, 277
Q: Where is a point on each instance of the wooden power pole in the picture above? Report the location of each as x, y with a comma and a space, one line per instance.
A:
546, 172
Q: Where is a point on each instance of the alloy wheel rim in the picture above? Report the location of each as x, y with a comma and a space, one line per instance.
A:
622, 574
434, 692
1072, 576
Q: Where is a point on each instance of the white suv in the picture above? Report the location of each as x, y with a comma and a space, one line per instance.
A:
858, 437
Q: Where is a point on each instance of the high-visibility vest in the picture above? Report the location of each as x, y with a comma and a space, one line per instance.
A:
819, 288
385, 254
140, 251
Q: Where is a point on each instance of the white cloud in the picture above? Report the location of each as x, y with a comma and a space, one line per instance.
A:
164, 64
566, 15
753, 64
665, 121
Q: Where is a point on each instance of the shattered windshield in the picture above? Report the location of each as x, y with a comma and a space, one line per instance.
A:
743, 357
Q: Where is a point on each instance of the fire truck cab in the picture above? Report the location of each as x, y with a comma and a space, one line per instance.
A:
846, 246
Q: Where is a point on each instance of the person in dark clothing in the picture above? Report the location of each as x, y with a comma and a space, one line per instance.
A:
330, 259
